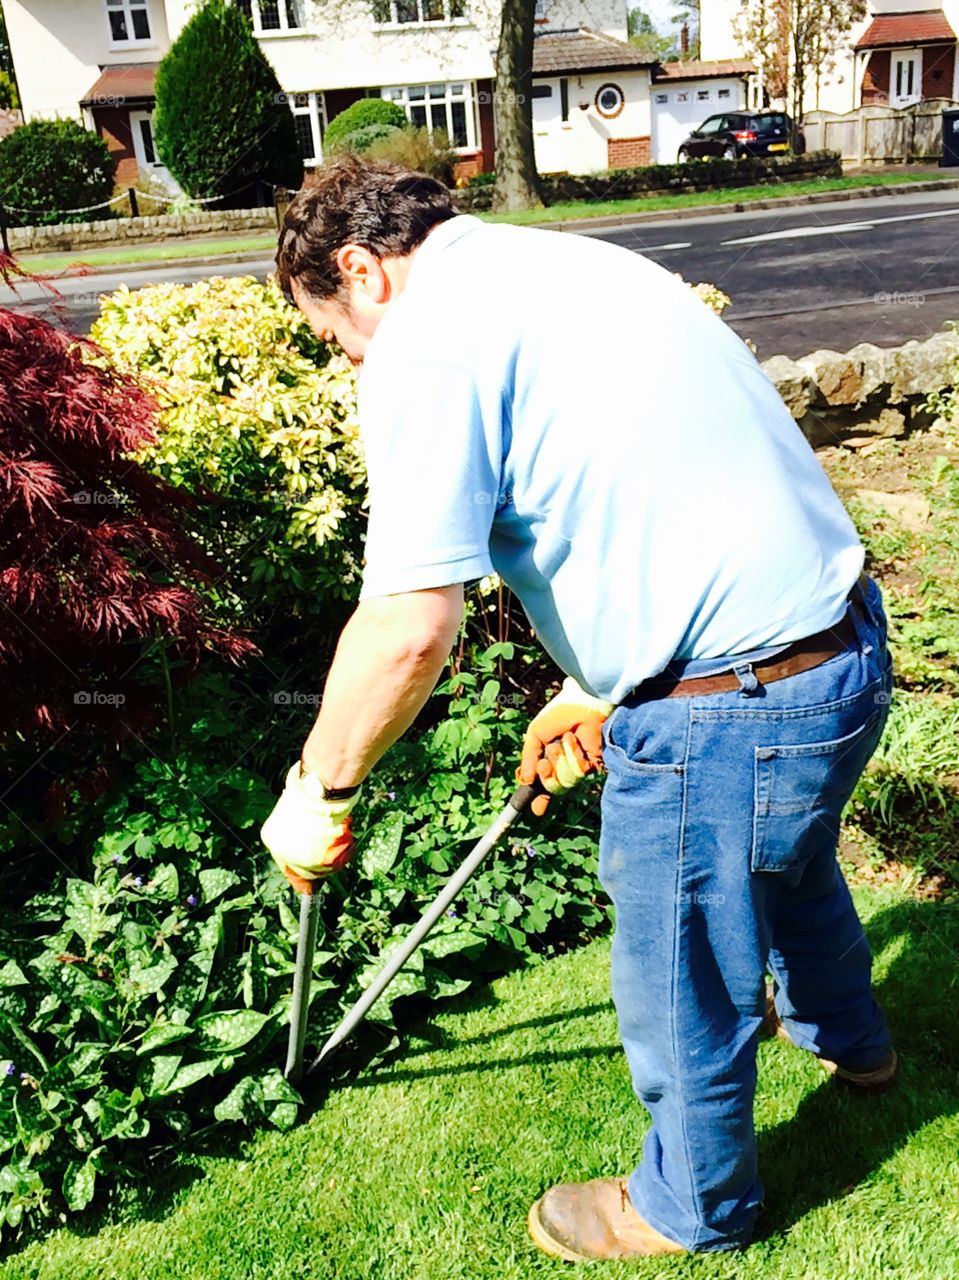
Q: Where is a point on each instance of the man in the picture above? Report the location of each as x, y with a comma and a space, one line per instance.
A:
569, 414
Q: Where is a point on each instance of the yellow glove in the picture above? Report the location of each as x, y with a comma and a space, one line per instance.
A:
564, 742
308, 835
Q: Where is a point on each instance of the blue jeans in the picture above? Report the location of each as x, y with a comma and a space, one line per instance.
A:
720, 818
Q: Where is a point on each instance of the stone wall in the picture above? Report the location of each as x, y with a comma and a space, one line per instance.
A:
120, 231
865, 392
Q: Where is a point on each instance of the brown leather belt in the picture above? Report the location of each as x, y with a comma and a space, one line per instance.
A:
801, 655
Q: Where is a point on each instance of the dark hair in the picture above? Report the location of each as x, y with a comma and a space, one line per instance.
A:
381, 206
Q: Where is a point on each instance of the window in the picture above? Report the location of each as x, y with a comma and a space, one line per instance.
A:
309, 116
438, 106
722, 93
702, 95
129, 22
712, 125
609, 101
540, 13
272, 15
661, 98
541, 91
564, 99
682, 96
391, 13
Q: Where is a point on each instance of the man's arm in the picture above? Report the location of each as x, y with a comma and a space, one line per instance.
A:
387, 662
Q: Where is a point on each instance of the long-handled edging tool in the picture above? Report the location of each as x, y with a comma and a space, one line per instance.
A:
518, 803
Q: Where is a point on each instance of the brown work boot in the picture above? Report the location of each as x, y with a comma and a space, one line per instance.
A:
580, 1221
866, 1080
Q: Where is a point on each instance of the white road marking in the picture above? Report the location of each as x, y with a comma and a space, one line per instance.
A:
796, 232
660, 248
833, 228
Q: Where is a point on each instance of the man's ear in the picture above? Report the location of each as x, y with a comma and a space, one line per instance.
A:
363, 270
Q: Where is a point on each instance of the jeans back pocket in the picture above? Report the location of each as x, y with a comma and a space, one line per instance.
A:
801, 791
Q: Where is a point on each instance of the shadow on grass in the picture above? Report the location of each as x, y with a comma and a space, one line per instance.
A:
837, 1138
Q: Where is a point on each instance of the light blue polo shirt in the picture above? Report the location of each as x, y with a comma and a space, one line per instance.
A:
569, 414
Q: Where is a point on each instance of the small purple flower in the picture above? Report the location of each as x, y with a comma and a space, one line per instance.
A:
138, 881
530, 851
11, 1069
451, 913
117, 859
191, 900
391, 795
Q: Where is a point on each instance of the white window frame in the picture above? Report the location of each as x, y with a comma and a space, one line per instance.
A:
899, 58
400, 94
447, 19
315, 108
284, 28
126, 7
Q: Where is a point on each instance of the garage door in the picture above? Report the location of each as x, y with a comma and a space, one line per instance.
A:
678, 109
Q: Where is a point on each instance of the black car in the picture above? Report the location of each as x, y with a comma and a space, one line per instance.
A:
735, 134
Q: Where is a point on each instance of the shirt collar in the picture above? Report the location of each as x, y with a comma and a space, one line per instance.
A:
441, 237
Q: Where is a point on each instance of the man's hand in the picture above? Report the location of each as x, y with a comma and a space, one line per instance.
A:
307, 835
564, 742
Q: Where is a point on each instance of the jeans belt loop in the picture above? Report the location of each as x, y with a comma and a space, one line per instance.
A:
748, 681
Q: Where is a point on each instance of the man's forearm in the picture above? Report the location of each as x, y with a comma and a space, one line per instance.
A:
387, 662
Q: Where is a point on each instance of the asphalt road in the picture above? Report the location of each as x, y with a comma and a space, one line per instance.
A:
881, 269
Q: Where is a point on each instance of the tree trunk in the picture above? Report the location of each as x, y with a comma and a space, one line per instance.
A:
517, 184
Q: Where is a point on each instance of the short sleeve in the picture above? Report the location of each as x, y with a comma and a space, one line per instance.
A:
433, 462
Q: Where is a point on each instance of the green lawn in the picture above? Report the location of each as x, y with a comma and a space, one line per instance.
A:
424, 1169
694, 199
177, 249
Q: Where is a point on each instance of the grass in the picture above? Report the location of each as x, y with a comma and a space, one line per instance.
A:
185, 249
423, 1169
695, 199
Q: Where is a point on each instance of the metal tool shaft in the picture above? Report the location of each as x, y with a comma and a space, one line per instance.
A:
300, 1005
519, 801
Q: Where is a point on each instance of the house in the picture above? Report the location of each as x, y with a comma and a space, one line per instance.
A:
899, 53
597, 101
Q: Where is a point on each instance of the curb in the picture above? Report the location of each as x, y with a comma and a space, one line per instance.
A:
219, 259
572, 224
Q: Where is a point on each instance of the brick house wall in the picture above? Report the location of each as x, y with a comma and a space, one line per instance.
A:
628, 153
113, 126
938, 69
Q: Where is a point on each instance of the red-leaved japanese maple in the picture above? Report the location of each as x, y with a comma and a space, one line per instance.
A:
93, 569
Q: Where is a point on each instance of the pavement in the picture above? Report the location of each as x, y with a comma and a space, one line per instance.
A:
828, 271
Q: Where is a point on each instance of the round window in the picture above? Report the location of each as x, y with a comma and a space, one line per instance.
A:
609, 100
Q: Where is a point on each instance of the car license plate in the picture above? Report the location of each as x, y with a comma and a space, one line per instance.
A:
778, 146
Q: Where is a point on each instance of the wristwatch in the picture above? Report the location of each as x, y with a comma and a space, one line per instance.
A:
315, 785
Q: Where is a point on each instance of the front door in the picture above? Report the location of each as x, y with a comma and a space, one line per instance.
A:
548, 136
148, 162
905, 78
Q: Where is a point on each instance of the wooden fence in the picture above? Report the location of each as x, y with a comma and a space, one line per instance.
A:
880, 135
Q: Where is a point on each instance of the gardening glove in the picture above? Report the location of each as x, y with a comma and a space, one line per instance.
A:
308, 835
564, 742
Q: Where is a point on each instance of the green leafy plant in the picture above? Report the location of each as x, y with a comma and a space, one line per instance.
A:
417, 150
221, 121
146, 999
258, 420
47, 166
361, 114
